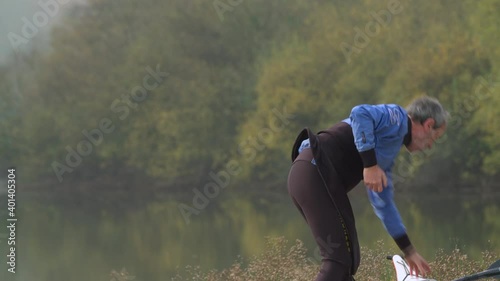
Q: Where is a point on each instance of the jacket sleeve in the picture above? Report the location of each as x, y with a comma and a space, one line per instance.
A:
386, 210
364, 119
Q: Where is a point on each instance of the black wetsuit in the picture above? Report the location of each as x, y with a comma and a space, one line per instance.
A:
319, 191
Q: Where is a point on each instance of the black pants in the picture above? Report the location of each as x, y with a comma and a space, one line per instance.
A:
310, 196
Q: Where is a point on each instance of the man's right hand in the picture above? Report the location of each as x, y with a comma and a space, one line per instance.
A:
375, 178
418, 265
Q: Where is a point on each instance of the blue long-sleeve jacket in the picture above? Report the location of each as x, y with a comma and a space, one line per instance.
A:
379, 131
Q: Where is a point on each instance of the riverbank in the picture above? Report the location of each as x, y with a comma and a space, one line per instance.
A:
288, 261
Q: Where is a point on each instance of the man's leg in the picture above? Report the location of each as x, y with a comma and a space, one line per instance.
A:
313, 201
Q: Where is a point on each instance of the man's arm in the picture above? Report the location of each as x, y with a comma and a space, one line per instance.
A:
364, 120
386, 210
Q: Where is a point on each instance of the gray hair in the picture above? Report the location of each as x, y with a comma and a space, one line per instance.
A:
425, 107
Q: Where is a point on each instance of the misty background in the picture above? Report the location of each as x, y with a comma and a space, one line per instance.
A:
10, 20
156, 134
11, 14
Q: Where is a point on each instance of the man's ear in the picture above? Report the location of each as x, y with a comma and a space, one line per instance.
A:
429, 123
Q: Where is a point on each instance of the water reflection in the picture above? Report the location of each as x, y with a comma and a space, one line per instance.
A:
85, 238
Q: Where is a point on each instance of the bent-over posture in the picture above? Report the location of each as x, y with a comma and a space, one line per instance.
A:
327, 165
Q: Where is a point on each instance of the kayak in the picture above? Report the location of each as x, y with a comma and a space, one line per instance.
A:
403, 271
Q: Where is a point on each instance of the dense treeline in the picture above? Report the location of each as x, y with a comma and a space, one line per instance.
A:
175, 90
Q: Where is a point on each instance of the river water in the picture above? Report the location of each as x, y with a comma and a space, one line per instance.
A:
85, 237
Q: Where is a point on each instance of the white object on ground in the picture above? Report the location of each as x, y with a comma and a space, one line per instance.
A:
403, 270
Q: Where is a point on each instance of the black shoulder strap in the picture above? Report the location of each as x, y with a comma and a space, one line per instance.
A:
298, 141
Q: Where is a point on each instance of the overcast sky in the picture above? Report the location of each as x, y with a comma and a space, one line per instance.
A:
11, 14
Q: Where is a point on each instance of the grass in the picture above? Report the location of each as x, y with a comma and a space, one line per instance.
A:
284, 261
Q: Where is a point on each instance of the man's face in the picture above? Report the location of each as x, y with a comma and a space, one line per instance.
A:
423, 135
